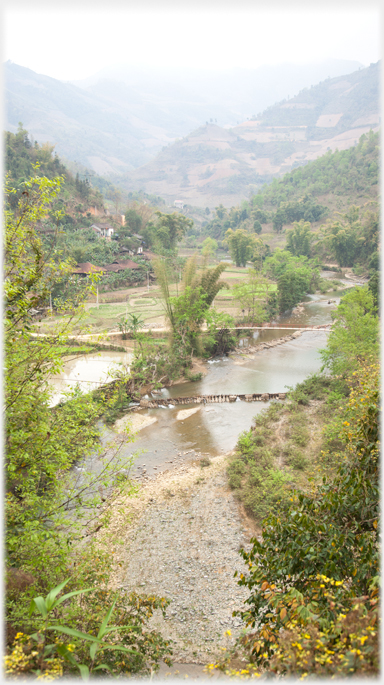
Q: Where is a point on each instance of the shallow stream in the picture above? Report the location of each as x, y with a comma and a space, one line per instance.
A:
215, 428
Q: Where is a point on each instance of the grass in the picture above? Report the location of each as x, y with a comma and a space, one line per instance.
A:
289, 444
147, 304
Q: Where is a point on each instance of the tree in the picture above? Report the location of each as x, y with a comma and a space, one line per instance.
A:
133, 222
374, 287
209, 247
220, 211
352, 238
186, 312
41, 442
317, 560
257, 227
292, 286
218, 340
278, 220
354, 334
242, 245
299, 239
342, 240
252, 295
296, 276
168, 229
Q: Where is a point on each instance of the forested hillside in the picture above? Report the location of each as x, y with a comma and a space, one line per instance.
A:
334, 197
121, 117
214, 165
75, 212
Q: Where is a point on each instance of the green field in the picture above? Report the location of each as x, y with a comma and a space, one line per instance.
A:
116, 305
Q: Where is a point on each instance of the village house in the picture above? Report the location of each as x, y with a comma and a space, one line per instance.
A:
103, 230
86, 268
117, 266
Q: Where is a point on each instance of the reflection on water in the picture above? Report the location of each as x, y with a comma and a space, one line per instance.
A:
88, 371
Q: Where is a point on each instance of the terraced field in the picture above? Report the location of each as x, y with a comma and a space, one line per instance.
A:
147, 304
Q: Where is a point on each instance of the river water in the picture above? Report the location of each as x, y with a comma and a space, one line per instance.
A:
215, 428
87, 372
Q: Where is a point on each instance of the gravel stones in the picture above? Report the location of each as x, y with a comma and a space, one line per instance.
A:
184, 546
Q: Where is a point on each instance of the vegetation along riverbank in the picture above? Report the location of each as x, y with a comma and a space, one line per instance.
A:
113, 575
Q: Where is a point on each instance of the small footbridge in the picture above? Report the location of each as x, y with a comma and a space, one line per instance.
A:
282, 327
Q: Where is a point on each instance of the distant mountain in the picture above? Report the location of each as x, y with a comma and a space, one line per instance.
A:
190, 97
213, 164
121, 118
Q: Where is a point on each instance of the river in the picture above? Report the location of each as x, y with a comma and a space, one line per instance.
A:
215, 428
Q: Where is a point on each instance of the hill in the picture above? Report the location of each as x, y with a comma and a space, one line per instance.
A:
214, 165
335, 196
122, 117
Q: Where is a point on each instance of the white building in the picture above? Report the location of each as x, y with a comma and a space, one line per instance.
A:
103, 231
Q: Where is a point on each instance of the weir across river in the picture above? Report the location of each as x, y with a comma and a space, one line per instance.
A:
153, 403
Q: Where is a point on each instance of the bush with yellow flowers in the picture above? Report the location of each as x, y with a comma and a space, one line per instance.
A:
315, 569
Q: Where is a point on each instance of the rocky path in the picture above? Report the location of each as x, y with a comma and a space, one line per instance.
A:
180, 539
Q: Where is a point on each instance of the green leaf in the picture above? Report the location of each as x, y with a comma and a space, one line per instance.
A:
50, 598
39, 604
117, 648
93, 649
71, 594
74, 633
84, 671
105, 666
104, 623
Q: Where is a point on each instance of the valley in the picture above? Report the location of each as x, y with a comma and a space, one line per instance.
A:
192, 389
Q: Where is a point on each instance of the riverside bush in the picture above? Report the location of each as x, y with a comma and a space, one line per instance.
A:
313, 576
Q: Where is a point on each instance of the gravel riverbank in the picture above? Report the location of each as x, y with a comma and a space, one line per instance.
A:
179, 538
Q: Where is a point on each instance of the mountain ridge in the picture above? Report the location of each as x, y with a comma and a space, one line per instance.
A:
213, 165
113, 127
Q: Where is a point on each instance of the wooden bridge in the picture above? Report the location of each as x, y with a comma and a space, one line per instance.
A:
283, 327
153, 403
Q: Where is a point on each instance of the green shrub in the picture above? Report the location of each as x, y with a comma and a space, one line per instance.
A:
246, 442
300, 435
298, 461
236, 471
193, 377
205, 461
274, 410
264, 490
314, 387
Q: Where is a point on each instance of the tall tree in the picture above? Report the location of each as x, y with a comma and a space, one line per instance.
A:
354, 334
299, 239
186, 312
242, 245
252, 295
167, 230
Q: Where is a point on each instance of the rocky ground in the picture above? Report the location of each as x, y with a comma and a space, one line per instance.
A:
180, 539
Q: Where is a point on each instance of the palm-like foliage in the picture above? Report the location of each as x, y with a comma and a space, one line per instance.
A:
186, 312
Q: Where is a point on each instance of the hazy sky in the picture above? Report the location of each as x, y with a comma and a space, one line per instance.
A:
77, 40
